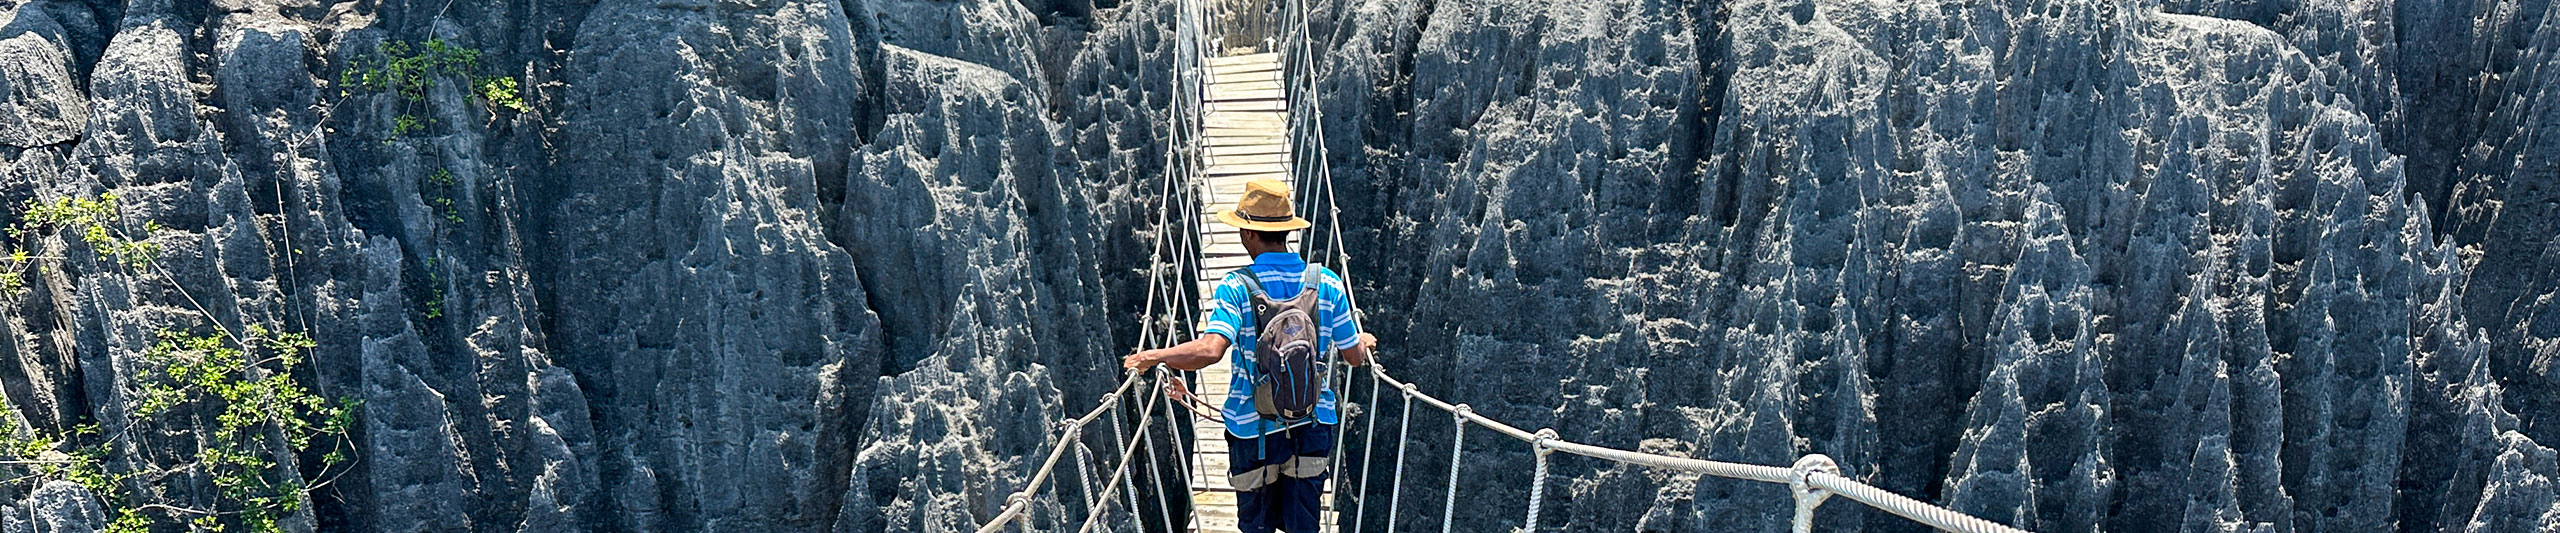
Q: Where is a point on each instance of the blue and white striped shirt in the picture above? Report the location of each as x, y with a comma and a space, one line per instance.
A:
1283, 275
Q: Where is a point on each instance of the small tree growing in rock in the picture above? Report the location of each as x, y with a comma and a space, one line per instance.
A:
411, 70
241, 382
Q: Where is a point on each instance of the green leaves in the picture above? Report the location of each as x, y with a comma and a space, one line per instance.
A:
439, 195
242, 382
433, 307
95, 220
403, 125
413, 70
409, 70
500, 91
247, 386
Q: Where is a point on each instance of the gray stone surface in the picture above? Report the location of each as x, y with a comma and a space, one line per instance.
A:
646, 306
55, 507
42, 104
759, 265
2073, 265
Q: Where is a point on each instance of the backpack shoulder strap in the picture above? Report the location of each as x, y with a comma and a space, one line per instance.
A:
1311, 285
1252, 282
1256, 301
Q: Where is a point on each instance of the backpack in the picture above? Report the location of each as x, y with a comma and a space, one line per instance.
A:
1288, 368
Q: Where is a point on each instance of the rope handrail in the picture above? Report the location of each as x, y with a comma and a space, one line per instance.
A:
1813, 476
1145, 418
1811, 480
1020, 500
1182, 164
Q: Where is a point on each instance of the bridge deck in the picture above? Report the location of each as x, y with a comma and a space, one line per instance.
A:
1246, 136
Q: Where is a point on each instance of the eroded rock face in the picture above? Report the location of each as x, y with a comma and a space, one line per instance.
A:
55, 507
42, 105
840, 266
644, 305
2071, 265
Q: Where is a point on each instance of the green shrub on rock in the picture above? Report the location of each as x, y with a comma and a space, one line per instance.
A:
244, 382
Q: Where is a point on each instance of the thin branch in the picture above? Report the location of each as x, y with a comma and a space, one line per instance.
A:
171, 509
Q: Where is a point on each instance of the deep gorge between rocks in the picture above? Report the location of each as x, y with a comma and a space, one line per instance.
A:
775, 265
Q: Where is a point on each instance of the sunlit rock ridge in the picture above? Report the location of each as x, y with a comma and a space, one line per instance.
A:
784, 265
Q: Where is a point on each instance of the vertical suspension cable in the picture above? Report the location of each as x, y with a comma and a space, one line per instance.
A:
1155, 470
1538, 479
1368, 450
1457, 451
1334, 481
1118, 442
1404, 434
1146, 417
1181, 450
1084, 478
1164, 505
1147, 442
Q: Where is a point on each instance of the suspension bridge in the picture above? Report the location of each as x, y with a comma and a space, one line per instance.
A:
1245, 108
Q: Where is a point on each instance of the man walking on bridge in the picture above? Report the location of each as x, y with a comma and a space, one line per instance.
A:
1275, 321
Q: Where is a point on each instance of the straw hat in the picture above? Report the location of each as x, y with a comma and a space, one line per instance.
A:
1264, 207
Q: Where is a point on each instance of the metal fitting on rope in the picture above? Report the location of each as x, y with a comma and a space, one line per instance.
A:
1800, 485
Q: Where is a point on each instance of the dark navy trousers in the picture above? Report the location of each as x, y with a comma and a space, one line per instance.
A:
1267, 472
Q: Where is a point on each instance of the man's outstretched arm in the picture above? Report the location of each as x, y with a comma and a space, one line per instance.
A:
1358, 353
1194, 355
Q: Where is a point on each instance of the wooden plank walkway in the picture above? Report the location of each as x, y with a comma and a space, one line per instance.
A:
1246, 120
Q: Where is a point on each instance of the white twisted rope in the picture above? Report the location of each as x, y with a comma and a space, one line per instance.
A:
1538, 479
1368, 450
1808, 475
1155, 475
1457, 451
1811, 480
1174, 417
1135, 523
1916, 510
1404, 434
1146, 417
1084, 478
1806, 495
1019, 501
